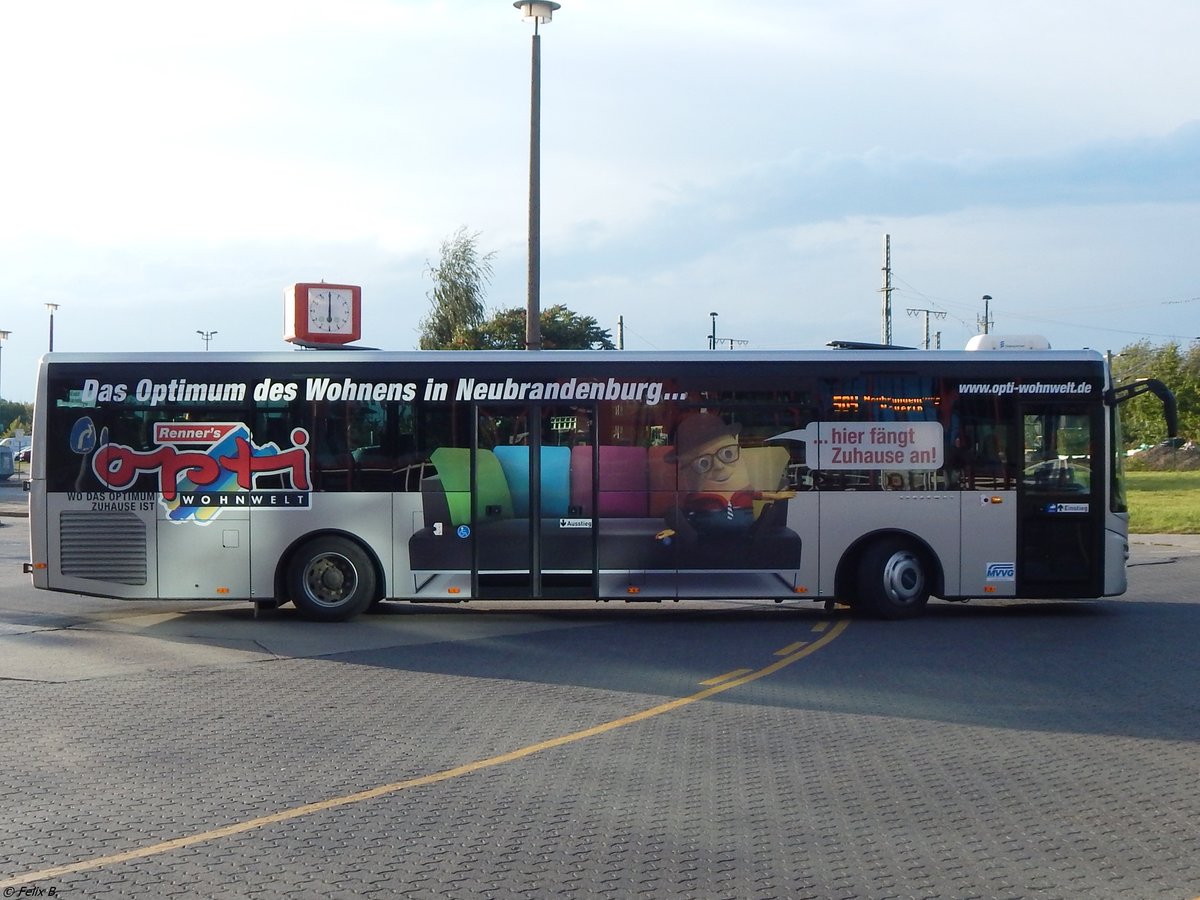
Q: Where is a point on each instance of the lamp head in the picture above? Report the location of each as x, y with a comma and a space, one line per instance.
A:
537, 11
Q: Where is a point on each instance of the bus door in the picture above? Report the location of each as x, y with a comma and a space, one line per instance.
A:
1060, 529
534, 533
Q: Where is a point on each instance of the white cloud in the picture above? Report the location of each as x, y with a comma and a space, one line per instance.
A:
171, 168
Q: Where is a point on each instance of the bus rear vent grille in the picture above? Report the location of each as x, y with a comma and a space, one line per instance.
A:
104, 546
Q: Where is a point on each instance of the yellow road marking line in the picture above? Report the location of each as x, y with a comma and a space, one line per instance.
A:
820, 626
790, 648
734, 674
297, 812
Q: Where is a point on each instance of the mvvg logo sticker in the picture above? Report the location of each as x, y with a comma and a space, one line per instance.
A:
1002, 571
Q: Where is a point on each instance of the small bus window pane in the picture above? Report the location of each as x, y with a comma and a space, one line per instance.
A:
1057, 453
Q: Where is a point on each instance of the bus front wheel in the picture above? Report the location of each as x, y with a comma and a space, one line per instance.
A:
893, 579
331, 579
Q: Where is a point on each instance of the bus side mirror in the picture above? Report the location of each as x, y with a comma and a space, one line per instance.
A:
1153, 386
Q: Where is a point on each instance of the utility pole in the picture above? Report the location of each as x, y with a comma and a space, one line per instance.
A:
936, 313
713, 340
620, 332
886, 290
986, 322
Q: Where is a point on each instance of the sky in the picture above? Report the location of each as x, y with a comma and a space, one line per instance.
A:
169, 168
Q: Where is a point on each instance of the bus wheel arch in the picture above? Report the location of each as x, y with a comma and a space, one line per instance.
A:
889, 574
330, 576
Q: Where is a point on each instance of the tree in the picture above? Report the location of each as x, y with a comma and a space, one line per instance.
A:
458, 320
460, 279
562, 329
1142, 418
14, 416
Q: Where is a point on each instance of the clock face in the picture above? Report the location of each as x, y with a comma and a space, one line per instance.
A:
330, 310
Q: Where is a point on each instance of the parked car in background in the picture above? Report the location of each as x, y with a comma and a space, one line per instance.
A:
24, 455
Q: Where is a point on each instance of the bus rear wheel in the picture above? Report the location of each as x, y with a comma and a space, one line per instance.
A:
893, 579
331, 579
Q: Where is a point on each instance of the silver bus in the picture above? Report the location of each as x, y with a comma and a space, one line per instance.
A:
336, 480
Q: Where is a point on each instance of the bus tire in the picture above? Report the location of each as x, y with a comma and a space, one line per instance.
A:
893, 579
331, 579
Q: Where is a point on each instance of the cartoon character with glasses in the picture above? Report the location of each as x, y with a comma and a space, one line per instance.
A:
714, 483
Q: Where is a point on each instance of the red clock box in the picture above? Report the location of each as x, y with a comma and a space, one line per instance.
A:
322, 313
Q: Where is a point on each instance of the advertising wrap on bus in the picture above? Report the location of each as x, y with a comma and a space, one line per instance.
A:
866, 477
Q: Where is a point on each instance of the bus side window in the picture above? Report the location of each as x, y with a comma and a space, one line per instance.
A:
980, 450
331, 459
273, 426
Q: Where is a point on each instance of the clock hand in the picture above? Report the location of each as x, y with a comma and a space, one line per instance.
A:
329, 295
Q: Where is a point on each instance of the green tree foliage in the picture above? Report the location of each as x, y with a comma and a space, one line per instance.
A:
458, 320
562, 329
1179, 369
460, 279
14, 416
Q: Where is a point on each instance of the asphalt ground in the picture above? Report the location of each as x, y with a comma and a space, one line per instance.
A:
719, 750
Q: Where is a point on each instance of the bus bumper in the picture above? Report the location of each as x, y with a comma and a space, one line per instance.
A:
1116, 557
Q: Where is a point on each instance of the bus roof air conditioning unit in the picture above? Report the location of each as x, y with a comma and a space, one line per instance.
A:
1008, 342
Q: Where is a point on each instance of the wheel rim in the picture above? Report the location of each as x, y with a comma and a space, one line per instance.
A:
904, 578
330, 580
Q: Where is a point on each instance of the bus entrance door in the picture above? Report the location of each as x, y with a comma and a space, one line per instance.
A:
535, 536
1060, 531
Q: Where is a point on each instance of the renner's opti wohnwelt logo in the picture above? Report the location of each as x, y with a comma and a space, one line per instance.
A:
206, 467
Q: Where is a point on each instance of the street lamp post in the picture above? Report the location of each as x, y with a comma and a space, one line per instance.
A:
4, 335
538, 12
51, 307
205, 336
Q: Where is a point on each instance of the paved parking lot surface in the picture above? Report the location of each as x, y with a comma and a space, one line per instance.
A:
737, 750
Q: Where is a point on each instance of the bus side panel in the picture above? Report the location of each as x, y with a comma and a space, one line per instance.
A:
102, 543
930, 516
408, 517
989, 527
210, 559
804, 517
